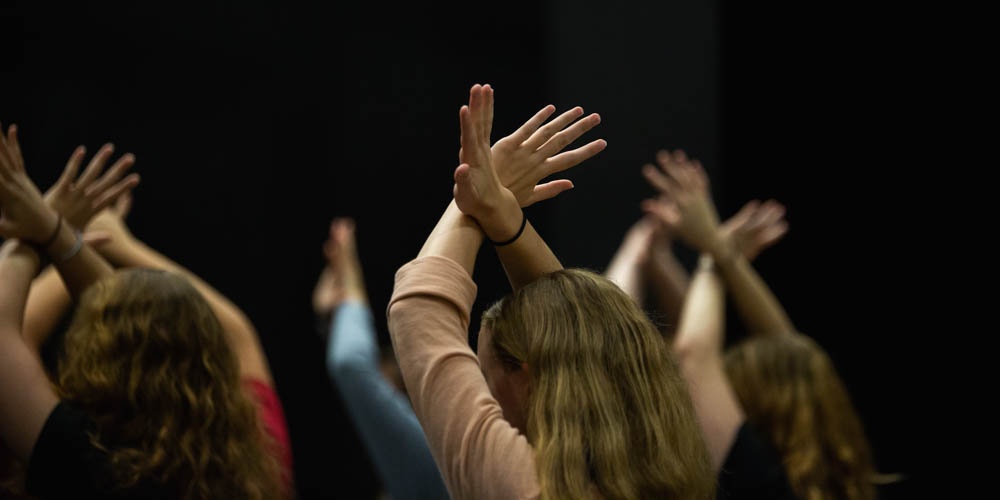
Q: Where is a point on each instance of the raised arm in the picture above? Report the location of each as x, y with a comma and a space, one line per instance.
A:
687, 209
668, 279
481, 204
521, 160
125, 250
699, 341
757, 305
645, 267
77, 199
26, 221
493, 183
630, 262
379, 410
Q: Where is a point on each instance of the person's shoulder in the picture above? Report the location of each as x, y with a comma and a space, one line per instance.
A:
753, 469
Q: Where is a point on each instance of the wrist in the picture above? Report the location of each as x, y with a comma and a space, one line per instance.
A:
706, 263
503, 224
67, 244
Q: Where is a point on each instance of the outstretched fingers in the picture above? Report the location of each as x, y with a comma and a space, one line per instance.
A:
112, 175
769, 222
72, 167
15, 147
574, 157
112, 193
524, 132
546, 132
663, 209
660, 180
9, 151
95, 166
549, 190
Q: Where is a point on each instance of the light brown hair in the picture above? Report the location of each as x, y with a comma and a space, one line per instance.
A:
790, 391
146, 358
609, 414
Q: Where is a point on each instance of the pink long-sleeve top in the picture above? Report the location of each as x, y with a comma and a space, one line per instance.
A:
480, 455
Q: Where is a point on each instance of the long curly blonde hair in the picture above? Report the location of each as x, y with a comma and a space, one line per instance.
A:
789, 389
608, 413
145, 356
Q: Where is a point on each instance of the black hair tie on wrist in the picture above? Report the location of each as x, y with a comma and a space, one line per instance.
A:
524, 222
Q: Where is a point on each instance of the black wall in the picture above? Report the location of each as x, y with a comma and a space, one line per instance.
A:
255, 123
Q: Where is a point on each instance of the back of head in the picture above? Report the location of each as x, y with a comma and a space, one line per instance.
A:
790, 391
608, 412
146, 357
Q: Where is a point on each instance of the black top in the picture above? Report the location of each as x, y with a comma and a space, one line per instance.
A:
65, 464
753, 470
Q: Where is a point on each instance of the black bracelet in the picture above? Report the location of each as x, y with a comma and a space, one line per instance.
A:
524, 222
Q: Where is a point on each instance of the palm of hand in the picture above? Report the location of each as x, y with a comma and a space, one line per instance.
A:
754, 228
698, 222
517, 168
477, 187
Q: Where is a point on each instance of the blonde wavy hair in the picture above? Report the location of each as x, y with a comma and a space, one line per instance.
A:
608, 414
790, 391
145, 356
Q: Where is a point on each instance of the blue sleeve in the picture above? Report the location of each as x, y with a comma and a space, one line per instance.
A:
381, 414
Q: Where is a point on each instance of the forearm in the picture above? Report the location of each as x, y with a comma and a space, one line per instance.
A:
756, 304
48, 302
456, 236
78, 264
527, 258
701, 328
18, 265
26, 395
668, 281
626, 273
699, 344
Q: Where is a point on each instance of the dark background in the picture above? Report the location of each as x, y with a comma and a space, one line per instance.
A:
254, 123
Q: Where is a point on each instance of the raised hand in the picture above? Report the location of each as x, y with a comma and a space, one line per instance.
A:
342, 277
109, 224
327, 292
23, 212
78, 199
755, 227
685, 204
478, 190
532, 153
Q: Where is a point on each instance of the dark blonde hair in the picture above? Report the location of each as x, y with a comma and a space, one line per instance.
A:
146, 358
608, 413
789, 389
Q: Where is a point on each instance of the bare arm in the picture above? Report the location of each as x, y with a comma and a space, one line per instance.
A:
757, 305
630, 261
688, 210
125, 250
77, 199
699, 342
668, 281
48, 302
521, 160
26, 396
645, 263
